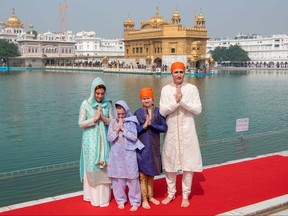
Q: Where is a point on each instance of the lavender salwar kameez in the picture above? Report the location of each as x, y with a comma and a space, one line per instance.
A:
123, 167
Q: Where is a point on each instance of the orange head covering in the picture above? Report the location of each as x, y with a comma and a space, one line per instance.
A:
146, 92
177, 65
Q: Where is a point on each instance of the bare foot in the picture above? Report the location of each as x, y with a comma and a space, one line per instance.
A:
145, 205
121, 206
167, 200
134, 208
154, 201
185, 203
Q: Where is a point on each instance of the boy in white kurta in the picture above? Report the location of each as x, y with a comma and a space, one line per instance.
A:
179, 102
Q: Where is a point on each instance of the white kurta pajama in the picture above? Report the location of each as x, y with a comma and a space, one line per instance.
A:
181, 149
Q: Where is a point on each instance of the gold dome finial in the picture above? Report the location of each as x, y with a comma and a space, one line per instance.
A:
200, 21
129, 23
201, 17
13, 21
176, 17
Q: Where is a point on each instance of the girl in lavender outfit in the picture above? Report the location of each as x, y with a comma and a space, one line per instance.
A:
123, 167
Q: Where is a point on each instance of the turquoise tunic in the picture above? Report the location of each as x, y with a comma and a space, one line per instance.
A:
95, 146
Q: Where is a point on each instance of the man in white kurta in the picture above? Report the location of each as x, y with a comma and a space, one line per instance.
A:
179, 102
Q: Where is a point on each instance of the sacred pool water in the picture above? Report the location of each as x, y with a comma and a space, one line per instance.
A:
40, 138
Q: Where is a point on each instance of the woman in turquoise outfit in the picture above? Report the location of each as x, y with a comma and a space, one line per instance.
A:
94, 117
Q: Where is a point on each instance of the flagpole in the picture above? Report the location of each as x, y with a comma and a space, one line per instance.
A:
60, 21
65, 14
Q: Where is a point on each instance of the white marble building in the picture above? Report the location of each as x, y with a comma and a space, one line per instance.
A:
87, 44
262, 51
48, 45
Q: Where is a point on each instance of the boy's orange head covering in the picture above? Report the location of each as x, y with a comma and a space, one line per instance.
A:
146, 92
177, 65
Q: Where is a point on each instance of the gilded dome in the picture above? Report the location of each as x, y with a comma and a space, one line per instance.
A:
176, 17
201, 18
155, 21
129, 23
176, 14
14, 22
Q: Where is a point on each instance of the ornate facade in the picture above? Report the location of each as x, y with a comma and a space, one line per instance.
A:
159, 43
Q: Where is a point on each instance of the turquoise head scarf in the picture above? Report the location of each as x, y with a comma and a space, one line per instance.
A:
96, 82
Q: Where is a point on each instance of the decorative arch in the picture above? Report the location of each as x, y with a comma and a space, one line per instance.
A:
158, 62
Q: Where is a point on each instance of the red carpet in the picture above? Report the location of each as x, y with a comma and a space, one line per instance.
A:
215, 190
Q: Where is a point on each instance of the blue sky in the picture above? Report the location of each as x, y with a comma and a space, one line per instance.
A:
224, 18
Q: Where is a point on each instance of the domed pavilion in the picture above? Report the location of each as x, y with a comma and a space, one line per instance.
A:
11, 28
159, 42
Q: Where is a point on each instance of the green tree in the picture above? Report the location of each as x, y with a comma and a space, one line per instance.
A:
233, 53
8, 49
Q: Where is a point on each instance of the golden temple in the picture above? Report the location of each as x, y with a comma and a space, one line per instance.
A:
159, 42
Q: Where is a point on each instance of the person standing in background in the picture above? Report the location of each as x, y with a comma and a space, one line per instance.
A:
179, 103
94, 117
149, 158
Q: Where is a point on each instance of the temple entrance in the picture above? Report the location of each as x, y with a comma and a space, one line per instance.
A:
157, 65
158, 62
